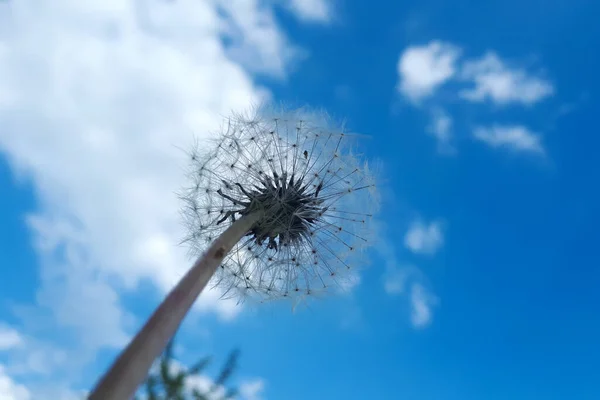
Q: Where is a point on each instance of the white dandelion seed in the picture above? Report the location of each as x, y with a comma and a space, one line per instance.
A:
277, 207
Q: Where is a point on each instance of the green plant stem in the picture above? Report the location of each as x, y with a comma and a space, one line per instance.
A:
130, 369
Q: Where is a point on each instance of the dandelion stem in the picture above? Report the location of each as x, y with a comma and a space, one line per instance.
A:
131, 367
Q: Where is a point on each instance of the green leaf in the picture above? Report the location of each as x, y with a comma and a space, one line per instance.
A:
200, 365
228, 368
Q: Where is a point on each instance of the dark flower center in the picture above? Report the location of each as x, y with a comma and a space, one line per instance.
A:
289, 207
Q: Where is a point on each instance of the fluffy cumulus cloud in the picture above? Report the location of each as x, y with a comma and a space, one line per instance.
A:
97, 99
485, 79
422, 69
514, 137
424, 238
492, 79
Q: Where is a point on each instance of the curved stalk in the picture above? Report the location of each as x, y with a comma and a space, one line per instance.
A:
130, 369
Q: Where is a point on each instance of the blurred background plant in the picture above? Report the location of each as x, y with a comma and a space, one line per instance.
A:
171, 380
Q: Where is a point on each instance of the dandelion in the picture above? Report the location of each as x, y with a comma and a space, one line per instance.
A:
304, 190
277, 207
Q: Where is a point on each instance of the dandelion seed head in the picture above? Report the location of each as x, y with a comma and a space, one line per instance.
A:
315, 198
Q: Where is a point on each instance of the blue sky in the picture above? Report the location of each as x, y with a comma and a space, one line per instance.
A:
483, 281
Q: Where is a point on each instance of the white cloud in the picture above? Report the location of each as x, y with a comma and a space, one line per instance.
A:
422, 302
10, 390
348, 282
441, 129
204, 384
395, 280
252, 389
28, 356
58, 393
95, 99
513, 137
423, 238
311, 10
422, 69
404, 279
9, 338
394, 277
410, 280
256, 40
489, 78
41, 359
496, 81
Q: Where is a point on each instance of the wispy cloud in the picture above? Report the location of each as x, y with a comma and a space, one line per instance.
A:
422, 302
9, 338
441, 128
395, 280
11, 390
252, 389
32, 368
494, 80
256, 40
424, 238
34, 357
422, 69
409, 280
513, 137
312, 10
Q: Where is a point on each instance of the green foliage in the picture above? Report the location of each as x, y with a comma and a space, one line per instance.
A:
170, 381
